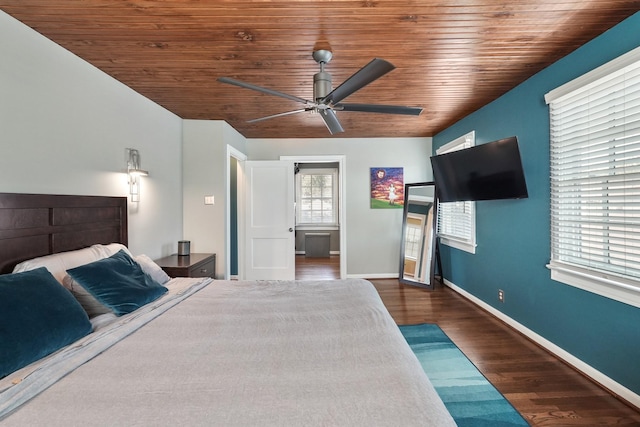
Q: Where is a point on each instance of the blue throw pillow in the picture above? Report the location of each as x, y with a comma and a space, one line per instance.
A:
118, 282
37, 317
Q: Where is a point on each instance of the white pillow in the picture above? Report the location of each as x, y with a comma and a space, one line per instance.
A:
107, 250
59, 263
152, 269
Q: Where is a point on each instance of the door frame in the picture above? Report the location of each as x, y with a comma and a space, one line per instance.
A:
241, 157
341, 160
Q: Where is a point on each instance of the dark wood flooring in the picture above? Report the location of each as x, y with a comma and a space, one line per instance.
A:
317, 268
545, 390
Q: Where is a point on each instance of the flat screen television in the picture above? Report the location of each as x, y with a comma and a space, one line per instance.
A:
488, 171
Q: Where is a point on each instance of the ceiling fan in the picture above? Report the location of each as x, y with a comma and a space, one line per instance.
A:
327, 100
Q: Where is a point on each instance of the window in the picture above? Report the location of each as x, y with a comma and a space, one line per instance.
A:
595, 180
413, 236
316, 196
457, 220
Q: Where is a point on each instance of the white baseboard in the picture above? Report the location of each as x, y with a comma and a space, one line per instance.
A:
373, 276
597, 376
330, 252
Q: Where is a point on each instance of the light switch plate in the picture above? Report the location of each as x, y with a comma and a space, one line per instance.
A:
208, 200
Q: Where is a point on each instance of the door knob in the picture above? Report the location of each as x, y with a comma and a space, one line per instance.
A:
290, 229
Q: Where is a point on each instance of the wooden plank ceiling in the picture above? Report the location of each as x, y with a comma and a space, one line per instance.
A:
451, 57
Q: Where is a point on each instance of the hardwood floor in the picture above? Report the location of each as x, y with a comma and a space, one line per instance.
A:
317, 268
545, 390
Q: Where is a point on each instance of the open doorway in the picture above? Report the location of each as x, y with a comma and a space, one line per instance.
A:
317, 226
320, 225
334, 266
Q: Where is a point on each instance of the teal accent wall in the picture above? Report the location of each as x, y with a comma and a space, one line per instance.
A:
233, 216
513, 235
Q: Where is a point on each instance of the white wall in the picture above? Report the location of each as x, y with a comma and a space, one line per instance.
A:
205, 172
373, 235
64, 127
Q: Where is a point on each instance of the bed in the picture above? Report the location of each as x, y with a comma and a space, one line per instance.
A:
203, 352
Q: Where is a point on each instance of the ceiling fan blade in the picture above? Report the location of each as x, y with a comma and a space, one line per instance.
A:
245, 85
377, 108
330, 119
286, 113
370, 72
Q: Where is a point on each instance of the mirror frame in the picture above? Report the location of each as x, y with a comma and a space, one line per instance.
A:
432, 239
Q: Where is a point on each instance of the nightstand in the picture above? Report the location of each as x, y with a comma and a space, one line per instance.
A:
193, 265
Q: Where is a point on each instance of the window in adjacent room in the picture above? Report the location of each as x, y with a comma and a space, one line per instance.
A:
595, 180
317, 197
457, 220
413, 235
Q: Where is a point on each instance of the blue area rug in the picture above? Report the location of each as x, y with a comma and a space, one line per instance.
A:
467, 394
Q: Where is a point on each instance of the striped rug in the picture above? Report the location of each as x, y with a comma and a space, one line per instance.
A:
467, 394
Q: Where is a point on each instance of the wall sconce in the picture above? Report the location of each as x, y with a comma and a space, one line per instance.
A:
134, 173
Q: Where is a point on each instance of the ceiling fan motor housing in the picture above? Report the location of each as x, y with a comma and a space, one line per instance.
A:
321, 85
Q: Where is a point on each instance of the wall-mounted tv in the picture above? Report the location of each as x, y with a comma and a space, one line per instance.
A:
488, 171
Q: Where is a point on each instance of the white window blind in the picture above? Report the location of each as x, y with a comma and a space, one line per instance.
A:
457, 220
595, 182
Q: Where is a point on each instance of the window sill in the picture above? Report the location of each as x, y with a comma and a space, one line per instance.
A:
612, 287
317, 227
458, 244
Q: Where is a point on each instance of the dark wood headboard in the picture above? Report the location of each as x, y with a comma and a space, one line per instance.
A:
33, 225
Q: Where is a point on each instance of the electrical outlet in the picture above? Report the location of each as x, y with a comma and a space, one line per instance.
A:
500, 295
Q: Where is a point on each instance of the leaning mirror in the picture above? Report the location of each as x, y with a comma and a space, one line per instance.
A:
417, 250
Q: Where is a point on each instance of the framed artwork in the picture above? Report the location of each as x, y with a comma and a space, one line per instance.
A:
387, 188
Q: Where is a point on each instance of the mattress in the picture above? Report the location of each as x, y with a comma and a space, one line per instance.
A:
243, 353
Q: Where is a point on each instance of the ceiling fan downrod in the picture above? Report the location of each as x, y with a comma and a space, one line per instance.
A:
322, 80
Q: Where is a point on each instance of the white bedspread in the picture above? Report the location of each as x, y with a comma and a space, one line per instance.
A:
264, 353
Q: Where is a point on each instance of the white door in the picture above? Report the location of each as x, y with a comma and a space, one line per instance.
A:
270, 220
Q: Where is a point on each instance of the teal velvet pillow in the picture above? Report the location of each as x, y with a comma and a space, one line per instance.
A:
118, 282
37, 317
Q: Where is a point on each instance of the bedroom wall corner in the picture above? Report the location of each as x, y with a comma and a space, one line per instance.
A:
204, 172
66, 125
